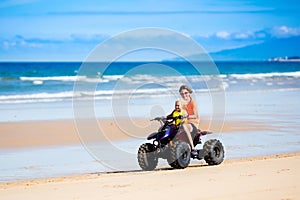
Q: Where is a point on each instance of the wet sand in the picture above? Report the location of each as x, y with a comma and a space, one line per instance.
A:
26, 134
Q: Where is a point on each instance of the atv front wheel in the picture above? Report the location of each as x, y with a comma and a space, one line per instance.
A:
180, 155
146, 157
214, 152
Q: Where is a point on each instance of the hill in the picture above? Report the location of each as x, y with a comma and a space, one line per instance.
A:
272, 48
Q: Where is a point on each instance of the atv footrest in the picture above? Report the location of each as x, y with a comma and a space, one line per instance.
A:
201, 154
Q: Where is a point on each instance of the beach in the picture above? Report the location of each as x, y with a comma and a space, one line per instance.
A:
267, 177
87, 92
261, 160
50, 148
32, 134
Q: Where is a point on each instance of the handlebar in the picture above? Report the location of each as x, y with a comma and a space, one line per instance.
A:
164, 119
157, 119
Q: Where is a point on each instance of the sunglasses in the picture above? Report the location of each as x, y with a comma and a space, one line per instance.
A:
182, 93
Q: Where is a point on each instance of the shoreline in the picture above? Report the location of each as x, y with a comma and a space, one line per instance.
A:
262, 177
94, 175
33, 150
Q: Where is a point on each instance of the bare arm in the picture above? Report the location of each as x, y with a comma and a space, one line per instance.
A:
195, 114
170, 116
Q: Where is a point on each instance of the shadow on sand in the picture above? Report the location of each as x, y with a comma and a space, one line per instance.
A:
158, 169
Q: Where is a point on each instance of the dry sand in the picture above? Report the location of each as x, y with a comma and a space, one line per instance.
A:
269, 177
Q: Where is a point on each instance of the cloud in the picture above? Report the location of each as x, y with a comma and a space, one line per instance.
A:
284, 31
222, 34
142, 46
86, 38
20, 48
242, 36
263, 34
78, 46
222, 40
19, 41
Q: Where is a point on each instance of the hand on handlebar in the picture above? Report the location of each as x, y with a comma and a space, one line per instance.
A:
158, 118
180, 117
183, 116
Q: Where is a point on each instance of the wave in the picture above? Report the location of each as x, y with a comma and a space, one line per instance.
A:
142, 86
113, 94
265, 75
143, 77
82, 95
64, 79
50, 78
112, 77
37, 96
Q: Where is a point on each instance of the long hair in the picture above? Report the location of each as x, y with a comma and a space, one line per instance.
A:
185, 87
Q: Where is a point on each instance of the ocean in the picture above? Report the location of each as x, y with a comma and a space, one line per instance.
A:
33, 82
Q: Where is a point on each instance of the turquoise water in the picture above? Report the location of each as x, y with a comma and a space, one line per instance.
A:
41, 90
54, 82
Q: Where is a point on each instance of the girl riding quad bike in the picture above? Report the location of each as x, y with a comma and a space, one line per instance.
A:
171, 143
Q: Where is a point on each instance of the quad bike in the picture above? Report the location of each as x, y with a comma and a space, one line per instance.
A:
171, 143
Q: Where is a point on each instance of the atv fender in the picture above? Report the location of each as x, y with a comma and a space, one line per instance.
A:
152, 136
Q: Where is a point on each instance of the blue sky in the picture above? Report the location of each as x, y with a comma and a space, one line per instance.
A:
55, 30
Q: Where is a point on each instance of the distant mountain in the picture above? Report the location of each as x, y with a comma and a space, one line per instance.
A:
272, 48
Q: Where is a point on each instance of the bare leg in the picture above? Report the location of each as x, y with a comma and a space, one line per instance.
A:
187, 128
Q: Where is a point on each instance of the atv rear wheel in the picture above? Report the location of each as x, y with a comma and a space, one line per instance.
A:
214, 152
146, 157
180, 155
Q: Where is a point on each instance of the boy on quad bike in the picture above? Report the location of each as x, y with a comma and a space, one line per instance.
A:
179, 114
170, 143
180, 117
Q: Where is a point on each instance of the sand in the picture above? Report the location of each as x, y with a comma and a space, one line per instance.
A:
24, 134
269, 177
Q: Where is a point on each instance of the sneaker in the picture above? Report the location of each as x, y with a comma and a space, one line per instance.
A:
194, 153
